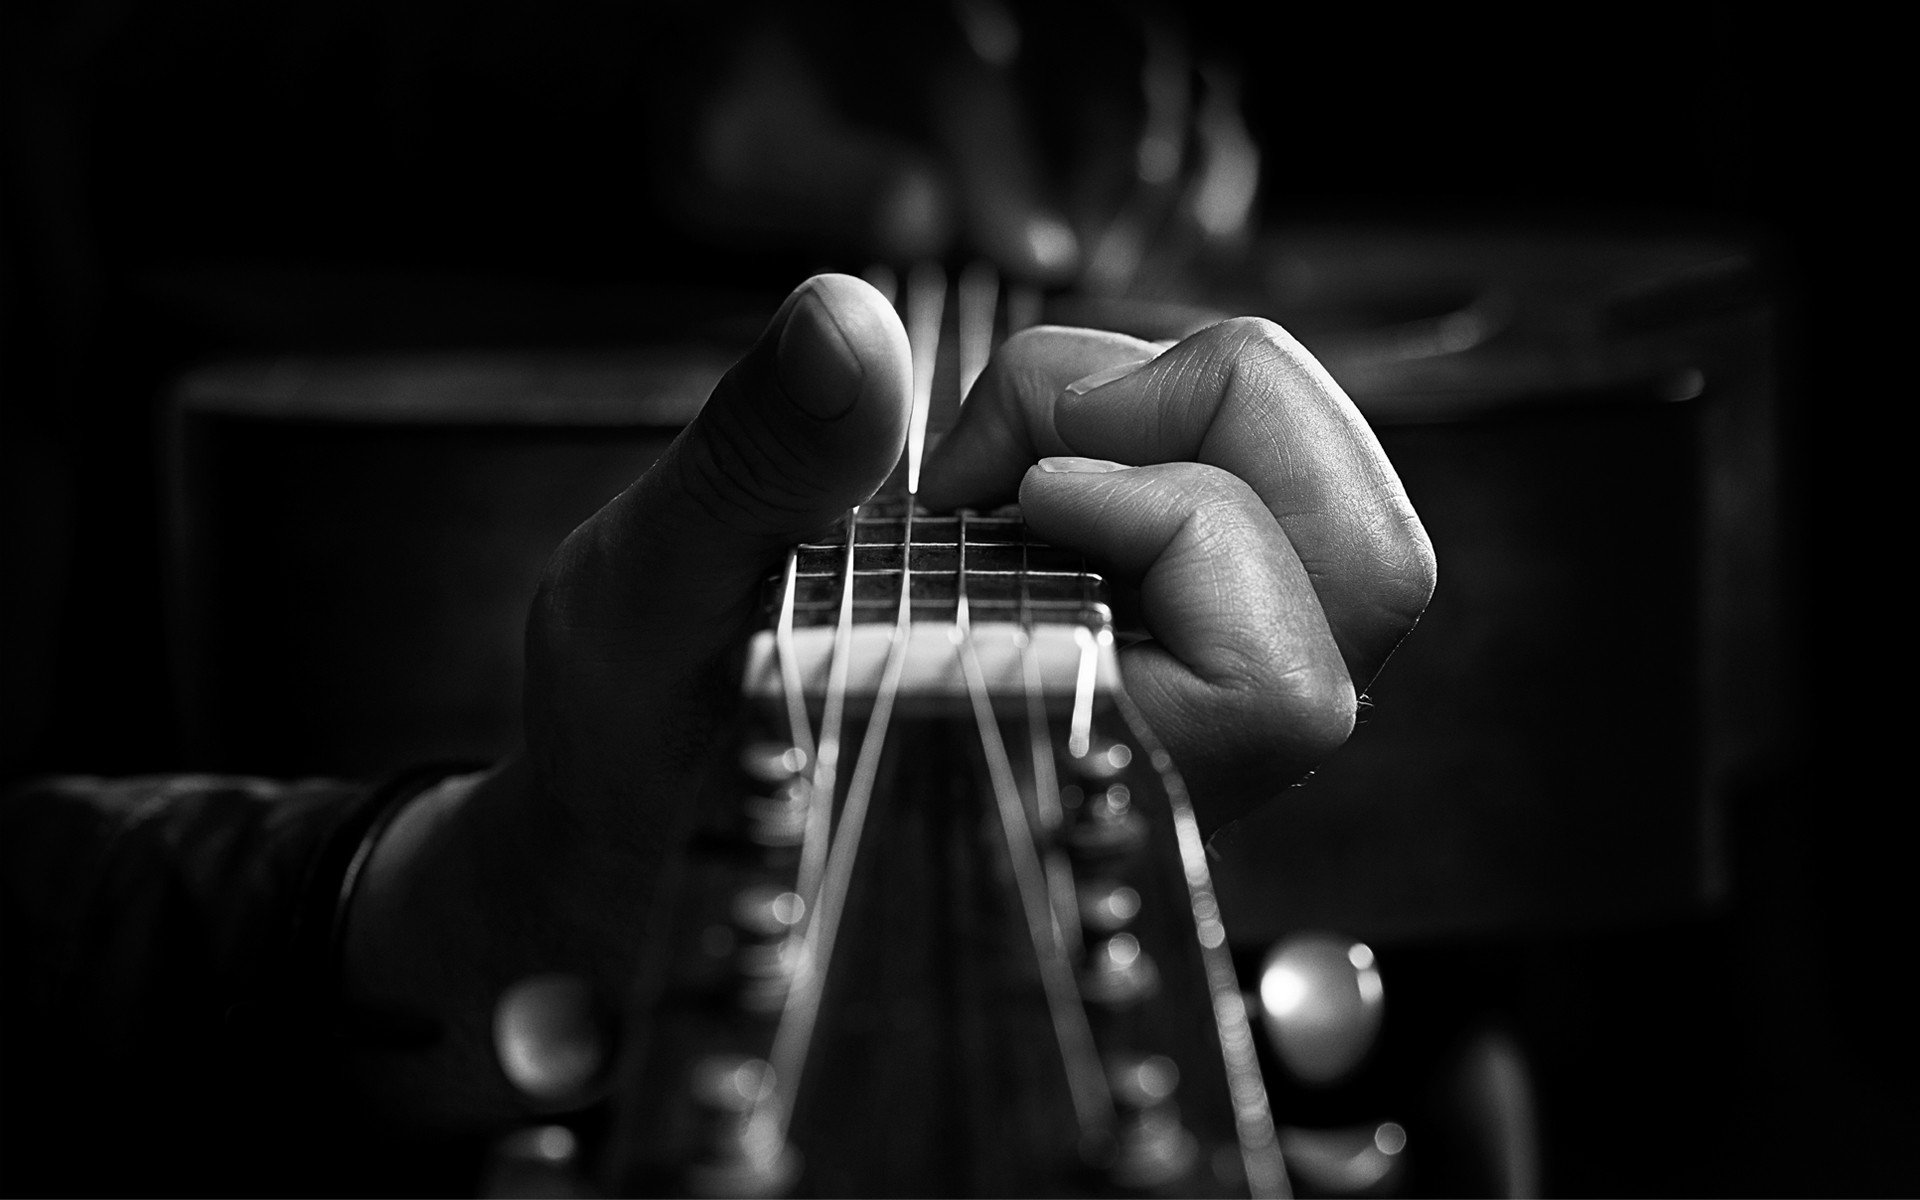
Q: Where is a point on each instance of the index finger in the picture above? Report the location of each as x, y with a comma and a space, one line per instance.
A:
1242, 395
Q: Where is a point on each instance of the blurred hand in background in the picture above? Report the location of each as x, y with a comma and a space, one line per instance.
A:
1067, 146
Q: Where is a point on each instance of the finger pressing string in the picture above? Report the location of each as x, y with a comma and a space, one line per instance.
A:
1242, 678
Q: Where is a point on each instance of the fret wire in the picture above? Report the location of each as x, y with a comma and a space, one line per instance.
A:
1073, 1034
1079, 579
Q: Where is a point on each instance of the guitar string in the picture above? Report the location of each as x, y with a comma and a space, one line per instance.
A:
979, 289
926, 308
1265, 1170
819, 831
1246, 1088
1046, 783
793, 1036
799, 724
974, 297
1080, 725
1073, 1033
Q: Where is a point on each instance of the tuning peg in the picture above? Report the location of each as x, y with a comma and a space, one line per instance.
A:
1106, 827
1320, 1003
764, 920
772, 761
540, 1163
1105, 760
1118, 973
549, 1037
744, 1151
1107, 907
1356, 1160
1153, 1148
776, 815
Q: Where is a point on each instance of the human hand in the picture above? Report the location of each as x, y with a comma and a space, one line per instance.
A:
1274, 558
1243, 508
552, 862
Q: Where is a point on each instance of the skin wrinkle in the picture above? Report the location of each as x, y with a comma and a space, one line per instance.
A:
1238, 665
1000, 432
1224, 524
775, 478
1387, 555
1247, 398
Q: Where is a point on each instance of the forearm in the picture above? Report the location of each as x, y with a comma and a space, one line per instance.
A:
476, 887
169, 975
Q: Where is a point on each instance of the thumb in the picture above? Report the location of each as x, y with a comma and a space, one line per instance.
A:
644, 599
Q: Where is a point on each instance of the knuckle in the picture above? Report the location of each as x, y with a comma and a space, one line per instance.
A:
1316, 710
1241, 341
1024, 364
1405, 570
1285, 724
1303, 709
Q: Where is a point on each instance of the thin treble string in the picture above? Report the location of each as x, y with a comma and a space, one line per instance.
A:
926, 308
1046, 783
819, 832
975, 296
1253, 1118
1092, 1102
799, 725
793, 1037
1080, 724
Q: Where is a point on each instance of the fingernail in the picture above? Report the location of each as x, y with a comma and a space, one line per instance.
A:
817, 368
1105, 375
1067, 464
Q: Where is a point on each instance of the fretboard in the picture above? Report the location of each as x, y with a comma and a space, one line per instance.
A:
988, 557
1035, 615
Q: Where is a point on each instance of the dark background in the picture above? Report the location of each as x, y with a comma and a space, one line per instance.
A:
191, 181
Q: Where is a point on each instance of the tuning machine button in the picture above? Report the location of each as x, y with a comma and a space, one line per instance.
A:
775, 812
1107, 907
1320, 1004
1106, 826
542, 1160
772, 760
1105, 761
1118, 973
1151, 1148
765, 920
551, 1038
743, 1150
1355, 1160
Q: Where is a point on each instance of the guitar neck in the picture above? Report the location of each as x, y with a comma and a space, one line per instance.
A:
948, 926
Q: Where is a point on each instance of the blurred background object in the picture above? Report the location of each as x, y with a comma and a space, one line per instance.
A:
323, 323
